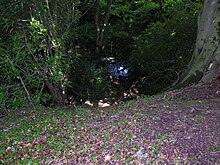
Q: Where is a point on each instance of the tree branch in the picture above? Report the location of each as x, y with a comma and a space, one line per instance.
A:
27, 92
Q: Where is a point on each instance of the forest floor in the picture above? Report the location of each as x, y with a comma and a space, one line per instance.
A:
179, 127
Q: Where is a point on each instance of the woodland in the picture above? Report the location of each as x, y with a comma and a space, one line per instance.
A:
109, 82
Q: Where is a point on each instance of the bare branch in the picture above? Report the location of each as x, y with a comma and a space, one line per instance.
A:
27, 92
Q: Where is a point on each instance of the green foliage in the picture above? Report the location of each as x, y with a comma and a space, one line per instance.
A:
35, 54
135, 12
163, 50
49, 47
89, 82
23, 61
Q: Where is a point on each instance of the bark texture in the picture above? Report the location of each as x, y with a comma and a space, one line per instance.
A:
206, 56
56, 93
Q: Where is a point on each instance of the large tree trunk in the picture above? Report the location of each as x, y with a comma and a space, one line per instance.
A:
206, 56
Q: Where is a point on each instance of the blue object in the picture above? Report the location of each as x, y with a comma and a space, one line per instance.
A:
117, 70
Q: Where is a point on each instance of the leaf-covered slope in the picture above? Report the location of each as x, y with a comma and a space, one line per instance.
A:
181, 127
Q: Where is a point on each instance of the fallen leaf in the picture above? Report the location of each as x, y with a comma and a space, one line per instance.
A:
107, 158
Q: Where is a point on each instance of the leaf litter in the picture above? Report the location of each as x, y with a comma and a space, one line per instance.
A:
179, 127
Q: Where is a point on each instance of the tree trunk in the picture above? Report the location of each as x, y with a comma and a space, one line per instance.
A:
56, 93
206, 55
101, 25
